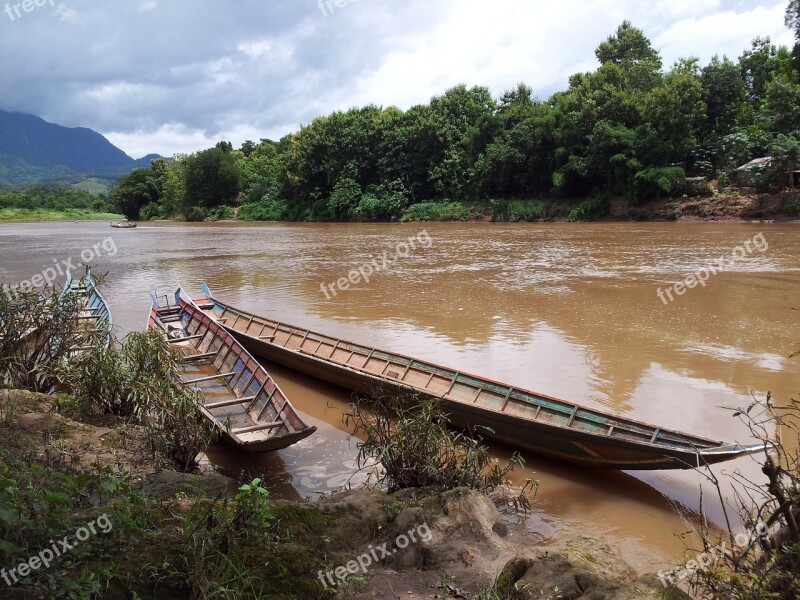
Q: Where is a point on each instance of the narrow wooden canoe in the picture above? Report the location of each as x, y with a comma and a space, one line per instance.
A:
238, 393
93, 319
515, 416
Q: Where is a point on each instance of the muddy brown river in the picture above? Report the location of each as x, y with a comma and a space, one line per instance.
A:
569, 310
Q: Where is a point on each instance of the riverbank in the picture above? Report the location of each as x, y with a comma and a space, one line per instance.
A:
24, 215
171, 534
730, 205
727, 206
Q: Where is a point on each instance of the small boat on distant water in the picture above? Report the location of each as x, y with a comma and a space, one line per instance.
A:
123, 225
238, 393
93, 316
515, 416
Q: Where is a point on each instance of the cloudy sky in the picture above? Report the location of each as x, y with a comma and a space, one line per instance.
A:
173, 76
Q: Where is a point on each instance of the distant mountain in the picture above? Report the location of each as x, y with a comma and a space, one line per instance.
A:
31, 149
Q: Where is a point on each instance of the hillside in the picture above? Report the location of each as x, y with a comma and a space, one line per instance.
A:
31, 150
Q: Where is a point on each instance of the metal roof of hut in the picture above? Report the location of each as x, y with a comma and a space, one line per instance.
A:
756, 163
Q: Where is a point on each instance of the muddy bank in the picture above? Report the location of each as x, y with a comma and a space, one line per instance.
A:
356, 544
730, 205
744, 205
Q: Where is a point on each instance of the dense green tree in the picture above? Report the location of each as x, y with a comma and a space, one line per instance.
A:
675, 109
723, 93
793, 23
780, 111
516, 105
247, 147
629, 49
134, 191
261, 170
212, 178
174, 191
410, 145
344, 199
612, 155
761, 64
521, 163
224, 146
793, 18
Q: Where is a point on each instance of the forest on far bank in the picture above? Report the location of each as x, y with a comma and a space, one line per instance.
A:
632, 129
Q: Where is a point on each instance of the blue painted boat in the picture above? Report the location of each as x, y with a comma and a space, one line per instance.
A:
93, 320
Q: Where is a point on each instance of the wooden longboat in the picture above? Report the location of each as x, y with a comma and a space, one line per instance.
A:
93, 318
238, 393
516, 417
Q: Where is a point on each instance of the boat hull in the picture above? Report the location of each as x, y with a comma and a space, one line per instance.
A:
531, 436
239, 395
94, 315
512, 416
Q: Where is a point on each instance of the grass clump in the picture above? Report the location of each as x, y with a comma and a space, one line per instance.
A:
791, 205
519, 211
767, 564
409, 438
444, 210
590, 210
37, 334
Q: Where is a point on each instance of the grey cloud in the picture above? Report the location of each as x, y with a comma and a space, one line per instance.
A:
135, 66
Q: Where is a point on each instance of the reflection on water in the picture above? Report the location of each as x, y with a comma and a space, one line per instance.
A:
570, 310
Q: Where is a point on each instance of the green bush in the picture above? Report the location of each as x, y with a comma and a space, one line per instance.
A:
197, 213
374, 208
444, 210
344, 199
590, 210
767, 179
385, 202
516, 211
150, 211
655, 182
218, 213
411, 439
791, 205
138, 379
265, 210
694, 189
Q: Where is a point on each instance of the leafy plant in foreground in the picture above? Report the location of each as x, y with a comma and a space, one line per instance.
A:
410, 439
